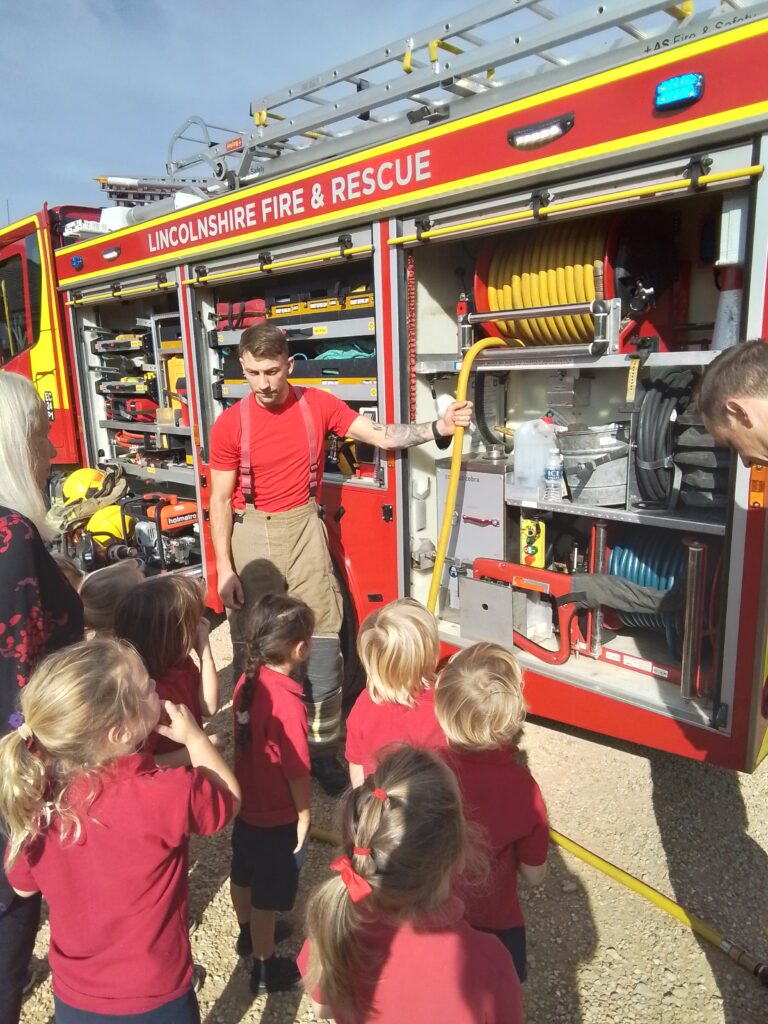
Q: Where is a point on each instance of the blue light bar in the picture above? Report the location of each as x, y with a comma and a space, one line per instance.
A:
679, 91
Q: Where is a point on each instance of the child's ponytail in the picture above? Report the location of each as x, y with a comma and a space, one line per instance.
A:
23, 785
275, 625
403, 839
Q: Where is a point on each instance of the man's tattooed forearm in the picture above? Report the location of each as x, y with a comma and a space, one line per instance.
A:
406, 435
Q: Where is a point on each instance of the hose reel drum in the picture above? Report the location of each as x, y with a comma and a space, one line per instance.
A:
625, 258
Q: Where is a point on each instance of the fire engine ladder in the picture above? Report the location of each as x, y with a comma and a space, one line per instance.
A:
445, 71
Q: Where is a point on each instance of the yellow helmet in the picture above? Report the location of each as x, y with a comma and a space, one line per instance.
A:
106, 524
78, 484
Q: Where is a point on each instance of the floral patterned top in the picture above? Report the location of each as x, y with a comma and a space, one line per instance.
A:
39, 613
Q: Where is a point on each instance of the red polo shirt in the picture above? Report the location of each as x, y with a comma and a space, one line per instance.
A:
118, 895
180, 685
501, 796
371, 726
434, 973
278, 749
279, 447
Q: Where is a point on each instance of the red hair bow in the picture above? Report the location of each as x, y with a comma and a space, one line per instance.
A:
356, 885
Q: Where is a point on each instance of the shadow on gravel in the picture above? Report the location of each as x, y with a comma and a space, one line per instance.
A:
236, 1002
717, 870
560, 935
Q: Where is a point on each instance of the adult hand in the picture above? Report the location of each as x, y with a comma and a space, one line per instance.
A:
182, 727
458, 414
231, 590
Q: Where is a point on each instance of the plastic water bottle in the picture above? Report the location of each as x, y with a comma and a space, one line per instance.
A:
552, 480
533, 441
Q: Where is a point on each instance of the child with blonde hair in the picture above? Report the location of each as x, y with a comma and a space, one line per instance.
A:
399, 650
479, 704
103, 833
102, 590
163, 619
387, 939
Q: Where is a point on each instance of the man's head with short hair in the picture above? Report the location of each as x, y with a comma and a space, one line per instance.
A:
733, 400
264, 341
266, 363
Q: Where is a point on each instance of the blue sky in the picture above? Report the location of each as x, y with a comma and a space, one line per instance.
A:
98, 86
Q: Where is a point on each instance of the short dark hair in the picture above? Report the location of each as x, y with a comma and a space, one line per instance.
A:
264, 341
739, 372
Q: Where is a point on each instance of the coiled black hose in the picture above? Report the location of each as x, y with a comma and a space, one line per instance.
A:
665, 395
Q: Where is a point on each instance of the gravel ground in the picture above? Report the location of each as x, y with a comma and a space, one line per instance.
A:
598, 954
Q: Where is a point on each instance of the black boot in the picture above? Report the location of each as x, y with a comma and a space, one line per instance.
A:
330, 774
277, 974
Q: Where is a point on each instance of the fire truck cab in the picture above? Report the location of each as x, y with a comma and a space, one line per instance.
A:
585, 193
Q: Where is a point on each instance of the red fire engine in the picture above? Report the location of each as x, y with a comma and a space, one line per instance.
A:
586, 197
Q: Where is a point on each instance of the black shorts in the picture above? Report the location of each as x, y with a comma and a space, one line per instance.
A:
263, 860
514, 940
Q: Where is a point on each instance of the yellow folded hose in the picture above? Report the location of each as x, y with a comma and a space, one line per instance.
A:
736, 953
548, 266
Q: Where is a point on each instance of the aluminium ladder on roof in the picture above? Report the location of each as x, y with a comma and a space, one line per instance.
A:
402, 87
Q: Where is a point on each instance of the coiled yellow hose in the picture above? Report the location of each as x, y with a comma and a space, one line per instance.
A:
548, 266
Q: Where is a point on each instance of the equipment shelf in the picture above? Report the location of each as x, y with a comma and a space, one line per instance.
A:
167, 474
503, 360
355, 390
319, 330
146, 428
701, 523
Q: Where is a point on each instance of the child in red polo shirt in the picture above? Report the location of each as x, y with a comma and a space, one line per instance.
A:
479, 703
399, 649
163, 619
387, 939
103, 833
272, 766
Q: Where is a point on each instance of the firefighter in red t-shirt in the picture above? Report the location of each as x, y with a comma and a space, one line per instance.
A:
266, 463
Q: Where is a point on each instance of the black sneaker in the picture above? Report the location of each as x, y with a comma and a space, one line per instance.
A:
199, 975
31, 978
331, 776
277, 974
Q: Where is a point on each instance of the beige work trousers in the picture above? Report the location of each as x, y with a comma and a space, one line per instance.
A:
278, 551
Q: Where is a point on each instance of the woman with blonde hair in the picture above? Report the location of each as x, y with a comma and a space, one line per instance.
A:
39, 613
387, 939
399, 649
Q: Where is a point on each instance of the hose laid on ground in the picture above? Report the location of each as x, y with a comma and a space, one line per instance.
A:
739, 956
548, 266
